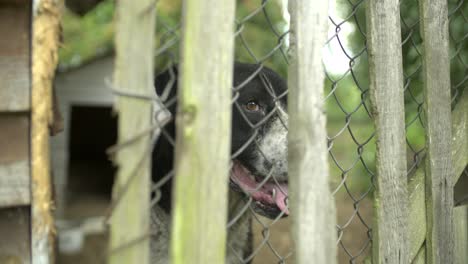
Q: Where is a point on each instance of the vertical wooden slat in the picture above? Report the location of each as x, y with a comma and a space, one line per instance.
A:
390, 231
203, 132
460, 142
312, 205
45, 44
133, 74
416, 186
460, 216
417, 209
437, 104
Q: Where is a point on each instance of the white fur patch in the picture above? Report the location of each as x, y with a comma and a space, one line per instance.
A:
273, 147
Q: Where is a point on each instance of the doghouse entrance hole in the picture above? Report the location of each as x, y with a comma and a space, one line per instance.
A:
93, 130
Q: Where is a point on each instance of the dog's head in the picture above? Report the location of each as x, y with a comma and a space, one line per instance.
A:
259, 138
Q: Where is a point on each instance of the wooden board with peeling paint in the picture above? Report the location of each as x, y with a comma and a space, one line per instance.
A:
14, 225
14, 160
15, 56
15, 85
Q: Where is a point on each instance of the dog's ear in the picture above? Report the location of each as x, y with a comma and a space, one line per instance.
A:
167, 80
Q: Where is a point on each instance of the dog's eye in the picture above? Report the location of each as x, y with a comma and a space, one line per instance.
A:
252, 106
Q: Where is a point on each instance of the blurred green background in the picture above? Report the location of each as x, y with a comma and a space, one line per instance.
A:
261, 36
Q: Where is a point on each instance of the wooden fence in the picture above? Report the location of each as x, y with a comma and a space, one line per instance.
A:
28, 58
415, 218
413, 221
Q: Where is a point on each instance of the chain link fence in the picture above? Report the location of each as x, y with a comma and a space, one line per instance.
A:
458, 33
412, 62
412, 74
261, 47
350, 129
458, 15
261, 39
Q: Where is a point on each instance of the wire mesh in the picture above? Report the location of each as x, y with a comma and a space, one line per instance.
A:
350, 129
412, 62
412, 74
261, 38
458, 35
251, 20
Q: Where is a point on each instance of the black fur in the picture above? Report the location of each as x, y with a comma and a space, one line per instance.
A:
241, 129
254, 90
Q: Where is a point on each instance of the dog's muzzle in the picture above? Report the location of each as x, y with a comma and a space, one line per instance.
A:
270, 197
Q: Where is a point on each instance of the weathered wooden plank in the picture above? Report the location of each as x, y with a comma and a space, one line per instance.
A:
417, 209
312, 205
14, 56
133, 74
439, 168
461, 189
386, 92
203, 133
460, 137
45, 44
460, 216
460, 150
420, 257
416, 185
15, 244
14, 160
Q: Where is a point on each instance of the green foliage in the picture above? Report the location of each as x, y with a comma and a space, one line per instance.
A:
87, 37
260, 34
347, 94
458, 12
91, 36
167, 33
261, 31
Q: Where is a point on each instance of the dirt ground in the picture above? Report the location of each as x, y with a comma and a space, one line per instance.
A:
353, 239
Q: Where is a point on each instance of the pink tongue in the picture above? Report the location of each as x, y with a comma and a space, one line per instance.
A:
281, 196
244, 179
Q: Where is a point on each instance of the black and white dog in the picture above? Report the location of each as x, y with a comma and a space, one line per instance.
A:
259, 148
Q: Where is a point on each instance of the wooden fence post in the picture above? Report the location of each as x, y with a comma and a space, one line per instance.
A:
460, 162
203, 133
135, 29
390, 231
45, 45
437, 104
312, 205
416, 189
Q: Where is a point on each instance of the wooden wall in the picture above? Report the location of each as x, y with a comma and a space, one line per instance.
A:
15, 87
